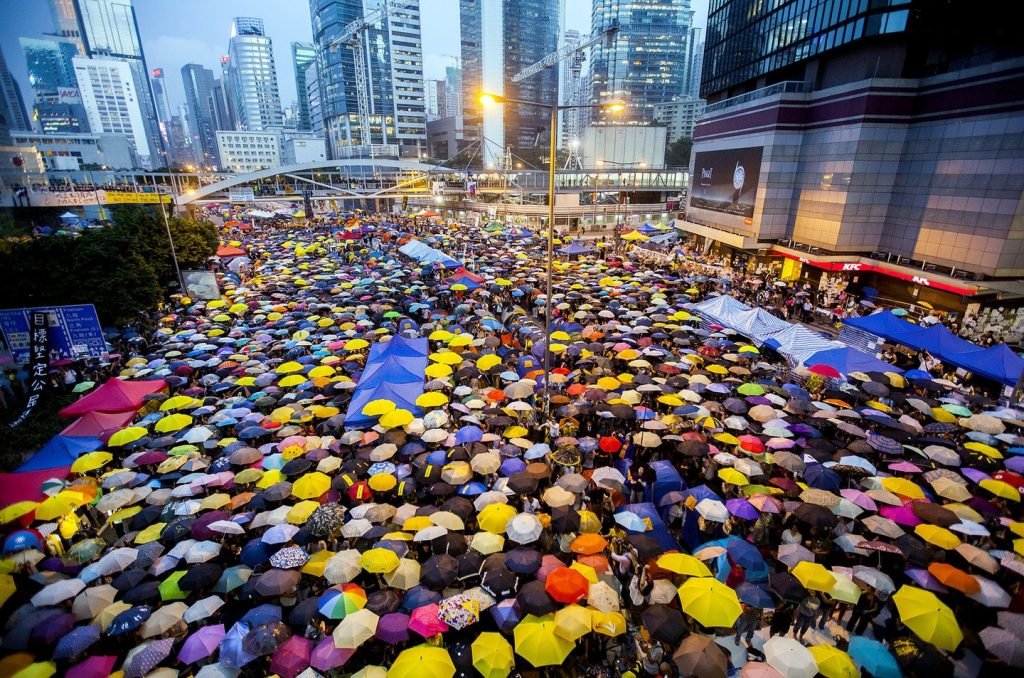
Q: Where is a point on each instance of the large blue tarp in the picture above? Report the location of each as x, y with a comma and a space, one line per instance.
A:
884, 324
797, 343
658, 528
999, 363
425, 254
847, 360
60, 451
394, 371
939, 341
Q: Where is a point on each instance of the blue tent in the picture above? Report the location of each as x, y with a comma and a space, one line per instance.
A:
576, 247
939, 341
999, 363
797, 343
60, 451
647, 229
846, 360
425, 254
658, 528
394, 371
883, 324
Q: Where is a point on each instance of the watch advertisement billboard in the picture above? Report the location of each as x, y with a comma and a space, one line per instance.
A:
726, 181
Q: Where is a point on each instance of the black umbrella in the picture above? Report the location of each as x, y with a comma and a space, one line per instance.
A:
469, 564
522, 483
914, 549
816, 516
178, 529
565, 519
302, 613
664, 623
325, 519
523, 560
533, 599
130, 578
383, 602
453, 543
143, 593
786, 586
460, 506
266, 638
499, 581
439, 571
693, 448
645, 545
201, 576
129, 620
276, 582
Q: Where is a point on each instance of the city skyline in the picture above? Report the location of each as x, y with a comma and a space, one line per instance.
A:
204, 38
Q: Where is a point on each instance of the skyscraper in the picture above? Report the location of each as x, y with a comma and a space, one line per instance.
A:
316, 116
220, 111
303, 54
647, 61
252, 77
49, 65
393, 57
696, 70
112, 102
65, 23
499, 39
435, 99
199, 85
109, 29
12, 108
452, 91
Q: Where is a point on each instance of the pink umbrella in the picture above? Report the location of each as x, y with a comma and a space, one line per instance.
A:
902, 515
764, 503
99, 666
860, 499
904, 467
292, 658
424, 621
326, 656
548, 564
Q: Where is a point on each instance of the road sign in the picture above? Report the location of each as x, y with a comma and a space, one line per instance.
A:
74, 331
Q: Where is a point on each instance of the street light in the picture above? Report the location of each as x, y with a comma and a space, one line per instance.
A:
489, 99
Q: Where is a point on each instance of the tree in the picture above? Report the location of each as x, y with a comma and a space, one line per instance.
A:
677, 154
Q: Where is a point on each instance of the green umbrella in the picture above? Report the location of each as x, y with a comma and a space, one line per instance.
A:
82, 387
392, 314
232, 578
958, 410
169, 589
750, 389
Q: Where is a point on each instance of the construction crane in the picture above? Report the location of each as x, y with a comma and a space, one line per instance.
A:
352, 36
573, 50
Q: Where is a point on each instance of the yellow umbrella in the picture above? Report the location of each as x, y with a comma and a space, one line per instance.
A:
91, 462
215, 501
515, 432
716, 369
270, 478
732, 476
1000, 488
19, 509
356, 344
943, 416
928, 617
537, 642
486, 362
123, 514
833, 662
290, 380
422, 660
417, 523
300, 513
432, 399
289, 367
683, 563
126, 436
446, 358
379, 561
321, 371
37, 670
150, 533
939, 536
382, 482
573, 622
396, 418
440, 335
317, 563
172, 423
987, 450
377, 408
460, 340
903, 486
59, 505
495, 517
179, 402
709, 601
7, 587
492, 655
437, 371
608, 623
608, 383
814, 576
311, 485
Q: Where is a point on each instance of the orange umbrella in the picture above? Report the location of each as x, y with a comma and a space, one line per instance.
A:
588, 544
497, 395
566, 585
955, 578
596, 561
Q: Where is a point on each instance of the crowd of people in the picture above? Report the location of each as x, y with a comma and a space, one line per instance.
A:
669, 500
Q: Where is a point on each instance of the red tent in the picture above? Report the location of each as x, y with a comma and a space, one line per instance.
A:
114, 396
27, 486
228, 251
100, 425
462, 274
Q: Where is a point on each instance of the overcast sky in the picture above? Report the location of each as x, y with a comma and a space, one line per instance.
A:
177, 32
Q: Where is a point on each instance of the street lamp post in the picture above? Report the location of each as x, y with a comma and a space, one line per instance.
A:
612, 106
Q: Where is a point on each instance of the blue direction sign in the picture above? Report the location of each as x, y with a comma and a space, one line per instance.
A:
74, 331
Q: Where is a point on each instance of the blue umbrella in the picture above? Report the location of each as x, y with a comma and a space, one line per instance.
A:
419, 596
822, 478
874, 657
255, 553
742, 552
752, 594
77, 641
129, 620
232, 651
469, 434
472, 489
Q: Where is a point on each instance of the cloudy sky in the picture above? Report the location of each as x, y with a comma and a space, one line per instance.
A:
177, 32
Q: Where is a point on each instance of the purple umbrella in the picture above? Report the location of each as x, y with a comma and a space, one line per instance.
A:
1015, 464
201, 528
741, 508
201, 644
55, 628
902, 515
292, 658
326, 656
393, 628
973, 474
148, 658
925, 579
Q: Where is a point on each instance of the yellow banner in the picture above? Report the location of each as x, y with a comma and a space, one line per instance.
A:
136, 198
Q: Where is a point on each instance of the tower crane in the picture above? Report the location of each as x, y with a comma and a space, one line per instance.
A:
352, 36
573, 50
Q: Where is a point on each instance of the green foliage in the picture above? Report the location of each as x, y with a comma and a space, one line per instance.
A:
123, 269
34, 432
677, 153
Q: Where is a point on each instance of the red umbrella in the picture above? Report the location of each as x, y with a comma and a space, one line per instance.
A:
824, 370
576, 389
360, 491
751, 444
566, 585
292, 658
609, 444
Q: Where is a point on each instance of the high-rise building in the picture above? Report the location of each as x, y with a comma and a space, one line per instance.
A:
113, 103
869, 144
679, 116
109, 30
303, 54
696, 66
252, 77
452, 91
499, 39
163, 107
56, 106
220, 110
393, 59
316, 115
12, 107
65, 23
199, 85
435, 99
647, 61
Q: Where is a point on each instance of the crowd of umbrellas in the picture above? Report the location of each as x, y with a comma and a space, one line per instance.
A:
671, 502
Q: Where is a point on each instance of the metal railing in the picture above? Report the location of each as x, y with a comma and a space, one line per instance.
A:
785, 87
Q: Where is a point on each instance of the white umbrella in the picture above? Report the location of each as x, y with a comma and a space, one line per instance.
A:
525, 528
791, 554
92, 601
201, 609
488, 498
609, 478
202, 552
57, 592
1004, 645
342, 567
713, 510
790, 658
226, 527
991, 594
356, 528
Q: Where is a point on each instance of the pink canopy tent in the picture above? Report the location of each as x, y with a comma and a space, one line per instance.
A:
114, 396
100, 425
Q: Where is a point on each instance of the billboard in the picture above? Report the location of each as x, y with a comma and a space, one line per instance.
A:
74, 332
726, 181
